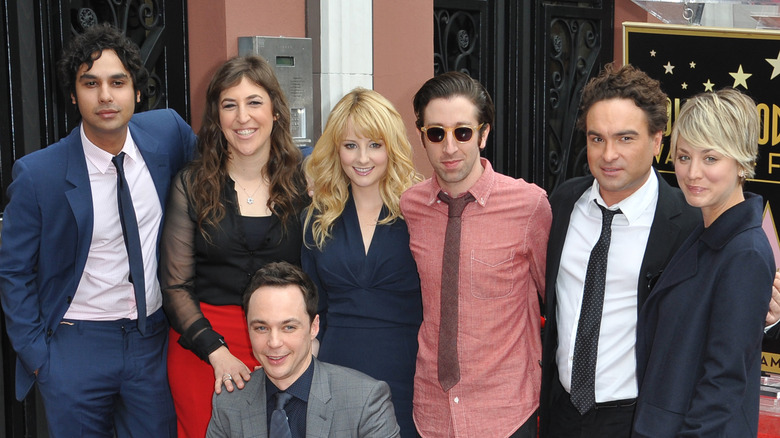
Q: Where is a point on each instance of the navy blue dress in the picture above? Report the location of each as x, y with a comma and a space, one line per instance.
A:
370, 304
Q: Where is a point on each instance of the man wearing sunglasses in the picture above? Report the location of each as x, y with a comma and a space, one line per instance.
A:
481, 273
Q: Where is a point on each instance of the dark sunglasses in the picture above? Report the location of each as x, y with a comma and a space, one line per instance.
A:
462, 134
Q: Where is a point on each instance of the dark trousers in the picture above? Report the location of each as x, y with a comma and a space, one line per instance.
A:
104, 378
528, 429
610, 419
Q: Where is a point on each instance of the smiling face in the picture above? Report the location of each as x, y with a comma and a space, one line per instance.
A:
281, 333
246, 116
363, 160
620, 147
709, 180
106, 100
456, 164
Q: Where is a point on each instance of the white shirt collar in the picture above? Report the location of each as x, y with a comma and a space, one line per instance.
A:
631, 207
102, 159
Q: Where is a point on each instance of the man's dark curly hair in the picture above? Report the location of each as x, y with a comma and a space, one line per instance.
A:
88, 46
627, 82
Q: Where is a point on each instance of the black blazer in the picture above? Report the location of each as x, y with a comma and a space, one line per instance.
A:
715, 293
674, 220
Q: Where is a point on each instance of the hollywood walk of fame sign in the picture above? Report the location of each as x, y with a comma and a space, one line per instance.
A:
688, 60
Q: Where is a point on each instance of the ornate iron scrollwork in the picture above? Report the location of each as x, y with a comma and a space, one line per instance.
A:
455, 41
574, 47
142, 21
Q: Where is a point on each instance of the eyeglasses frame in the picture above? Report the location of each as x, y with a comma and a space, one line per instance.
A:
451, 131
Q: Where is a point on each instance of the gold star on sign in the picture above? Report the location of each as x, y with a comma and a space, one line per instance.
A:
775, 63
652, 53
692, 64
740, 78
684, 86
668, 68
708, 85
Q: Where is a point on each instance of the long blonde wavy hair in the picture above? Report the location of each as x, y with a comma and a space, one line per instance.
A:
373, 117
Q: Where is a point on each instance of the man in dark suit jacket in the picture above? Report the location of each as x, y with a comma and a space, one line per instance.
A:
71, 307
623, 115
293, 390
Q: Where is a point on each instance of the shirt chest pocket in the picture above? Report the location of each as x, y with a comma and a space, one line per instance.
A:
492, 273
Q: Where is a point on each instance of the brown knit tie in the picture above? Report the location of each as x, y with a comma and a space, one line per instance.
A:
449, 369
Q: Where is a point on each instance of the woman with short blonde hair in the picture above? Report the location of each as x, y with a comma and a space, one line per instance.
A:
699, 333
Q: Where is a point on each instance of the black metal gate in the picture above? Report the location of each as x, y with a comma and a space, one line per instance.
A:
534, 57
35, 113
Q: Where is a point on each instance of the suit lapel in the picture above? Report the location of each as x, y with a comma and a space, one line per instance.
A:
254, 422
663, 232
563, 210
156, 162
684, 265
79, 195
319, 415
562, 205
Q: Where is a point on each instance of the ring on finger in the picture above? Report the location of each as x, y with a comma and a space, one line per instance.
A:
227, 377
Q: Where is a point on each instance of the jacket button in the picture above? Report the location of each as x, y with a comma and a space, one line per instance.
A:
69, 299
49, 332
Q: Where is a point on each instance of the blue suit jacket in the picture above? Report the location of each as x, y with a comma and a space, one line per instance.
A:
47, 230
699, 333
342, 403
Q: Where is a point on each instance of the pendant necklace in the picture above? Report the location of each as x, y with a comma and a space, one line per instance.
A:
249, 198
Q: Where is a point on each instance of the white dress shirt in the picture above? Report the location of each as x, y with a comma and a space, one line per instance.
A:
616, 362
104, 292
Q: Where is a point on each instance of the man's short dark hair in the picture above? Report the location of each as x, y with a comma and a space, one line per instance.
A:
452, 84
88, 46
282, 274
627, 82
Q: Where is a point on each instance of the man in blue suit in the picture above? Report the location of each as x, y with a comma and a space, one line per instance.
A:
87, 331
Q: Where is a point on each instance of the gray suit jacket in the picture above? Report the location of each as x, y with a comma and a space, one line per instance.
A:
342, 403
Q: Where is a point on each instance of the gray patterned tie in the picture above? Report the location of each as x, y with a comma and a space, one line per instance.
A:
280, 428
586, 346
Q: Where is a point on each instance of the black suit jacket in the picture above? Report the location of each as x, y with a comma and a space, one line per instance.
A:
674, 220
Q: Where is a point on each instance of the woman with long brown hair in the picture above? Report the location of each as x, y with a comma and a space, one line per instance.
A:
231, 211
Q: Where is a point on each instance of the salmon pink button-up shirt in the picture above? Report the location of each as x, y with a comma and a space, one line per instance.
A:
502, 263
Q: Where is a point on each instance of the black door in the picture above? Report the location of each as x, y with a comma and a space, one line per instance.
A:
534, 57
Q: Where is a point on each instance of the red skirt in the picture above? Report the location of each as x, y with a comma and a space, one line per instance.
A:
192, 380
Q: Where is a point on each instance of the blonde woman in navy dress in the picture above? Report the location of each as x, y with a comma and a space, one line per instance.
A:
233, 210
356, 245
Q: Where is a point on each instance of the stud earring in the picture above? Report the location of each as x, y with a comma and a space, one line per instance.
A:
741, 174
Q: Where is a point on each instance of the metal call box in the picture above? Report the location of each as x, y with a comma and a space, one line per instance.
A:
292, 61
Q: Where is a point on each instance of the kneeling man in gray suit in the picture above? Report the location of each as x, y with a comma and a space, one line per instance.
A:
294, 395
